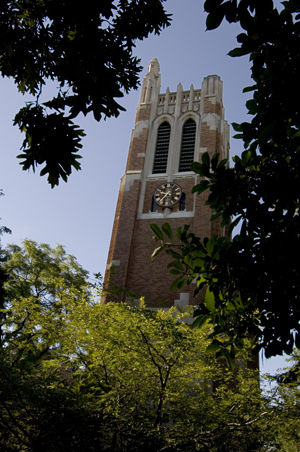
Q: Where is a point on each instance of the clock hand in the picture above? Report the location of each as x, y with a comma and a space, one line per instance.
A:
167, 194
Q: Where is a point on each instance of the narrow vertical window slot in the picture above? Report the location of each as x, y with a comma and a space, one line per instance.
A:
187, 150
162, 148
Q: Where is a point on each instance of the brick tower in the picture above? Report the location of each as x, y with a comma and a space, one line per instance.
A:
171, 131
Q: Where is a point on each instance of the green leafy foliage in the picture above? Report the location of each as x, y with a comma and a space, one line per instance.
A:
285, 398
38, 270
3, 229
79, 375
3, 274
254, 279
102, 377
87, 52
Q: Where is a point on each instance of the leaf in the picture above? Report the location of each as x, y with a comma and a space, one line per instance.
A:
252, 106
246, 156
238, 51
200, 321
205, 170
158, 250
249, 88
239, 136
181, 284
216, 215
214, 19
179, 265
222, 163
198, 253
198, 263
234, 224
157, 231
229, 359
200, 188
212, 348
214, 161
178, 233
167, 230
201, 281
265, 135
211, 244
175, 283
206, 159
237, 127
188, 261
296, 135
210, 300
211, 5
174, 254
196, 167
230, 306
175, 272
238, 301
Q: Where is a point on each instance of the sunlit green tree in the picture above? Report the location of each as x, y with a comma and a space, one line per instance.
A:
82, 376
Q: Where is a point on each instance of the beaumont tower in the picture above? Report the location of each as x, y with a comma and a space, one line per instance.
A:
172, 130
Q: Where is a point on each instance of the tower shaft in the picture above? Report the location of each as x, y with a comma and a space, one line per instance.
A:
172, 130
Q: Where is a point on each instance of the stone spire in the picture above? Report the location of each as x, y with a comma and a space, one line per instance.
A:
154, 67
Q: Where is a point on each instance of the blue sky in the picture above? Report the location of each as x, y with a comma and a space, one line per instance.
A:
80, 214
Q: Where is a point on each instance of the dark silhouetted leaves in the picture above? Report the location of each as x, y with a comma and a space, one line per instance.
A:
87, 51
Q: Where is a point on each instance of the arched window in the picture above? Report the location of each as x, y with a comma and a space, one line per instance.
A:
162, 148
187, 145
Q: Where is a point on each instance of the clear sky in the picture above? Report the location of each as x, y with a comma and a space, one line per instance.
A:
80, 214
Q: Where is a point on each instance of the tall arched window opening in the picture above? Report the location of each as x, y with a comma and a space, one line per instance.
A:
162, 148
187, 150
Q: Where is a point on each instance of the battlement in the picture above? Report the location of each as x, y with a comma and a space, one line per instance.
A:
188, 100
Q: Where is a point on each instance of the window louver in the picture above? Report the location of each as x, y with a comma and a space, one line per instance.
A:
162, 148
187, 145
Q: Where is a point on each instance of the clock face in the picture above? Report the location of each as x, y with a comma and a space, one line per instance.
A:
168, 194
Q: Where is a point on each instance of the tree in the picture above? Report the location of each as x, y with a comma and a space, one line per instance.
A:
253, 283
37, 271
87, 52
82, 376
30, 329
3, 229
3, 275
284, 397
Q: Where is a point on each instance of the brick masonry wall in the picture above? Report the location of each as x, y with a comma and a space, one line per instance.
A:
151, 278
138, 146
114, 235
125, 235
143, 113
210, 107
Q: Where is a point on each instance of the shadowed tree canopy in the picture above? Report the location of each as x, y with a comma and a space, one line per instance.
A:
88, 52
253, 283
